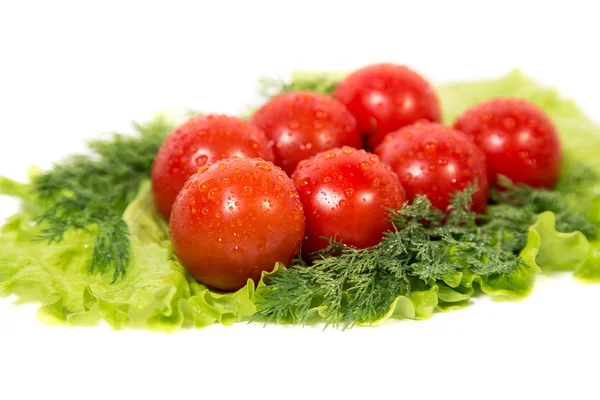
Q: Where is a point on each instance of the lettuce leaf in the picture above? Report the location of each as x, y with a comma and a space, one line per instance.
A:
156, 293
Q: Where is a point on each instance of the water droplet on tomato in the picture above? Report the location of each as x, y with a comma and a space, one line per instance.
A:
304, 182
365, 165
264, 166
342, 203
349, 192
247, 191
219, 214
212, 195
430, 146
327, 179
204, 185
226, 182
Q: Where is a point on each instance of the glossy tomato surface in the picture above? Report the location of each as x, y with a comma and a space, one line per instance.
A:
199, 141
302, 124
519, 140
386, 97
436, 161
347, 194
235, 219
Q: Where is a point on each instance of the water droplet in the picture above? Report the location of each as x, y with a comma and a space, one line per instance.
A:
219, 214
212, 195
226, 182
193, 201
200, 160
222, 165
262, 244
204, 185
327, 179
321, 114
365, 165
205, 211
220, 243
348, 150
247, 191
329, 155
349, 192
376, 182
304, 182
342, 203
430, 146
264, 166
193, 210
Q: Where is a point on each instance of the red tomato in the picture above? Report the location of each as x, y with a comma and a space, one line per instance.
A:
518, 139
436, 161
386, 97
201, 140
235, 219
346, 193
302, 124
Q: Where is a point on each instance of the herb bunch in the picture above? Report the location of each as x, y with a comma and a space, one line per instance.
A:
358, 286
87, 190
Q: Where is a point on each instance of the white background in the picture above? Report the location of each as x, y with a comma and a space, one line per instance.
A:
70, 71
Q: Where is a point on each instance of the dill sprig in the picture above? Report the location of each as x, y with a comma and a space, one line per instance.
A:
94, 190
314, 82
358, 286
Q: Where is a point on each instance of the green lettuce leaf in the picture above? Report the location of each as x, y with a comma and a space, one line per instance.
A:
156, 293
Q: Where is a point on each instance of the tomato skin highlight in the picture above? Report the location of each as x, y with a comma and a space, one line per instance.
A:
347, 194
385, 97
302, 124
519, 140
234, 219
436, 161
199, 141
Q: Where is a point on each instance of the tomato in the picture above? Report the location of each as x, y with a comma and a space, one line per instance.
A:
386, 97
302, 124
347, 194
518, 139
436, 161
234, 219
199, 141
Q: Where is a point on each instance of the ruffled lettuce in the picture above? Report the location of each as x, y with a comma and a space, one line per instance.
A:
158, 294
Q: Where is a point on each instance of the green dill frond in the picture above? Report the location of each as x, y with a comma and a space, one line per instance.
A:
95, 190
312, 82
358, 286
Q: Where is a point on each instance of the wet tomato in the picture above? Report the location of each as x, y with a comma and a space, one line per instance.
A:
235, 219
347, 194
302, 124
386, 97
202, 139
518, 139
436, 161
